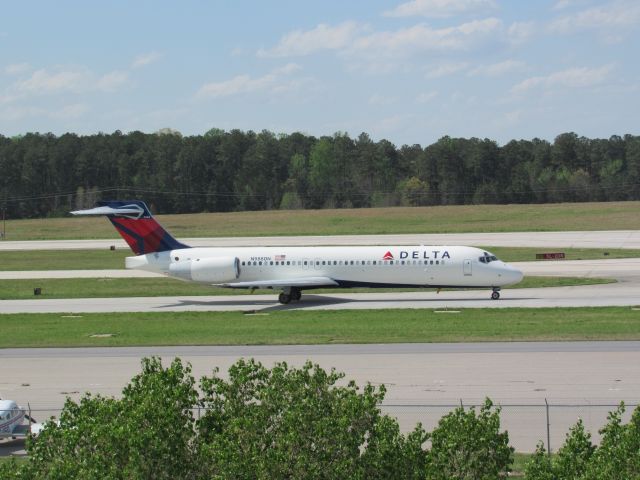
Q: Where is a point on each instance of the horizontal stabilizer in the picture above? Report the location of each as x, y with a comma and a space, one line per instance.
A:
129, 211
303, 282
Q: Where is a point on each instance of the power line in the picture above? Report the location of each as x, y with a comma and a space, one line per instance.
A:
367, 193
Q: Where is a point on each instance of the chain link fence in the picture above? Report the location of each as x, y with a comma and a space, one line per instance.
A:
527, 424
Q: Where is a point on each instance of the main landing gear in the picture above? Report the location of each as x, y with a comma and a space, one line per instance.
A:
495, 295
293, 293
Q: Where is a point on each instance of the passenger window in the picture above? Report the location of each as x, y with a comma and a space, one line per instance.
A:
431, 262
259, 263
437, 262
305, 262
288, 263
243, 264
335, 262
390, 262
271, 263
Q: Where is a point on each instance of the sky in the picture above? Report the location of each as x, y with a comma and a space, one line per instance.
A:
406, 71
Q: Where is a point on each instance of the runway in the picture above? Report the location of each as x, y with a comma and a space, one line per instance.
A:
583, 296
424, 381
624, 293
589, 239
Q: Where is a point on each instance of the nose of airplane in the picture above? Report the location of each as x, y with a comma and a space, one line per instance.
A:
513, 275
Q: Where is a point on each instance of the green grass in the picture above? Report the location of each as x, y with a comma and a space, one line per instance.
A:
63, 259
528, 254
520, 461
160, 287
107, 259
286, 327
440, 219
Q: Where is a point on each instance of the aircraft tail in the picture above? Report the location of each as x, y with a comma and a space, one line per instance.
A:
136, 225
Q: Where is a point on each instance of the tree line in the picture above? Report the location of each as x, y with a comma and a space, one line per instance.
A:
294, 423
47, 175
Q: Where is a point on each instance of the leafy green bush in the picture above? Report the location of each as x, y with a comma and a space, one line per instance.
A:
466, 445
617, 457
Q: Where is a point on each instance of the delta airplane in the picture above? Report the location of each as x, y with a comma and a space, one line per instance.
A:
12, 419
294, 269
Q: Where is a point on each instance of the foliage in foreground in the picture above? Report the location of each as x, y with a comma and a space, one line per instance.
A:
617, 457
289, 422
282, 422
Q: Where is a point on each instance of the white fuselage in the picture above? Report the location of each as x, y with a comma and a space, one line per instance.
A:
11, 416
383, 266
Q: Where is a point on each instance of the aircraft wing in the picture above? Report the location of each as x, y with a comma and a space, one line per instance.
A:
301, 282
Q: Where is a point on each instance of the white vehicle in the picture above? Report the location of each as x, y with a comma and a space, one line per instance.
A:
293, 269
12, 418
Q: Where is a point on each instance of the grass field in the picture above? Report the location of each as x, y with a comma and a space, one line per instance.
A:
160, 287
440, 219
319, 327
107, 259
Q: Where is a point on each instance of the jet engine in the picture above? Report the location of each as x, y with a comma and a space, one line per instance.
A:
207, 270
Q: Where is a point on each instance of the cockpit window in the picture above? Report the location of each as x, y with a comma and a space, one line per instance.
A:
486, 258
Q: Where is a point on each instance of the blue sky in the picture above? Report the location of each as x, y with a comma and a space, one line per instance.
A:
409, 72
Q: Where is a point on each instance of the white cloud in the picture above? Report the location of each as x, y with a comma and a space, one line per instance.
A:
78, 80
69, 112
440, 8
571, 78
19, 112
378, 99
497, 69
15, 113
272, 81
446, 69
424, 38
564, 4
426, 97
322, 37
112, 81
43, 81
519, 32
617, 14
16, 68
146, 59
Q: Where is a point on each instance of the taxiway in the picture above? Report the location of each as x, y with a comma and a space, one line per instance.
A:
424, 381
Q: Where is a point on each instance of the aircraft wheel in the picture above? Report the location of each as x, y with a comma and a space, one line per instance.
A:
283, 298
296, 294
495, 295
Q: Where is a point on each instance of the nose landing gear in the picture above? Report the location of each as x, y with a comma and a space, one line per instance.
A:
495, 295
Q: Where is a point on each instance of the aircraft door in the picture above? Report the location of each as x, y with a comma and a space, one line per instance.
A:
466, 267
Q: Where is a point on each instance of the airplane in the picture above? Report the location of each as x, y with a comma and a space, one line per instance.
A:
294, 269
12, 419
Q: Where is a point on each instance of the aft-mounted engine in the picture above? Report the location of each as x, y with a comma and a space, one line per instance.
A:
207, 270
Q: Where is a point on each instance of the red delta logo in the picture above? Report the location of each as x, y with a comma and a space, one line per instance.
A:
387, 256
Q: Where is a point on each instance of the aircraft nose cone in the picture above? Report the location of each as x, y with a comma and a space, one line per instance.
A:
514, 275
